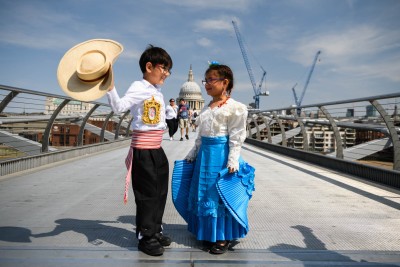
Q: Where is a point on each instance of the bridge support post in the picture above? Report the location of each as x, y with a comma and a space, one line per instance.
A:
258, 134
119, 124
336, 133
303, 130
128, 127
268, 129
82, 128
392, 131
284, 141
46, 135
7, 100
248, 128
105, 125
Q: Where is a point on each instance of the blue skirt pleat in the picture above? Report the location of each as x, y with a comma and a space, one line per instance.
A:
208, 218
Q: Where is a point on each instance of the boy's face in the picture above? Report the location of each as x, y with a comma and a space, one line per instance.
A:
156, 74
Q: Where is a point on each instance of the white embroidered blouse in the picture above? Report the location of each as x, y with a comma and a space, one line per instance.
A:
229, 119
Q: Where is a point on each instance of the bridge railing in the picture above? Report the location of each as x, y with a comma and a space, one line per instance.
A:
363, 131
34, 123
357, 132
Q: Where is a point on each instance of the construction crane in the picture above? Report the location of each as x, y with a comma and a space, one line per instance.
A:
257, 90
299, 100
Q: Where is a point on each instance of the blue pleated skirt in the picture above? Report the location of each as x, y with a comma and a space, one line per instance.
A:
207, 217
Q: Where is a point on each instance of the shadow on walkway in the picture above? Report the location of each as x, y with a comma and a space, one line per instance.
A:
313, 245
97, 232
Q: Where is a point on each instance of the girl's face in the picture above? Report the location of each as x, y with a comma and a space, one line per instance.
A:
156, 74
215, 85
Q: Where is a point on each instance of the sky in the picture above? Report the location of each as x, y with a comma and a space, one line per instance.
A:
359, 42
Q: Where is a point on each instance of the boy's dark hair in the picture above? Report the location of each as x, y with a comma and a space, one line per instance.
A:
223, 72
155, 55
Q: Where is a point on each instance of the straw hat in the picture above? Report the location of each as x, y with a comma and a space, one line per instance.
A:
85, 71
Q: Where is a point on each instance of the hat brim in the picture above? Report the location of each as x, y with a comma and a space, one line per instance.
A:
67, 75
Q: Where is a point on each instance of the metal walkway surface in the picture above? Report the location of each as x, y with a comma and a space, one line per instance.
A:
72, 214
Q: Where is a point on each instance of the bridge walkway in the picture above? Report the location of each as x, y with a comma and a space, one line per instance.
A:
72, 214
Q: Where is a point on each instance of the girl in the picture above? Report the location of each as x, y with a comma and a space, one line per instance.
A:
208, 208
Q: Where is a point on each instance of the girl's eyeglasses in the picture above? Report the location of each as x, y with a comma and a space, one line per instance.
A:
211, 81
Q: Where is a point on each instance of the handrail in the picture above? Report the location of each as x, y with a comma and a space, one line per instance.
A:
30, 122
323, 129
352, 129
338, 102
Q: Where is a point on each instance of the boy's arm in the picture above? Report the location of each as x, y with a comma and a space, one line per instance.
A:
120, 105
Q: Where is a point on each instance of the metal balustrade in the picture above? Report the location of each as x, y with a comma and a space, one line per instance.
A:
359, 137
363, 130
360, 134
33, 124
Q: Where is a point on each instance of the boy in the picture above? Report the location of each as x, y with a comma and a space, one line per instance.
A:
146, 162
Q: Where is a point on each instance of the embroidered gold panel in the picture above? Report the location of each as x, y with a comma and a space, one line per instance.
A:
151, 111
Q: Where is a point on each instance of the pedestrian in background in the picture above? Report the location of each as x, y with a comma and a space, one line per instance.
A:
171, 117
183, 117
193, 120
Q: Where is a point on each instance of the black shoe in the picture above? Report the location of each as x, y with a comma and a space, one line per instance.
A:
207, 245
181, 139
187, 137
150, 246
220, 247
164, 241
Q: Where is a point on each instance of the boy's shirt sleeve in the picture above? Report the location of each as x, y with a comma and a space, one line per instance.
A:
120, 105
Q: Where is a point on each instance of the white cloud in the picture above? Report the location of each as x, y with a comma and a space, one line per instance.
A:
204, 42
36, 26
131, 54
359, 41
350, 3
360, 51
212, 4
221, 24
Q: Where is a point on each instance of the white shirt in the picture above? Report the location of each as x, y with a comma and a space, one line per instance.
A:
171, 112
229, 119
133, 100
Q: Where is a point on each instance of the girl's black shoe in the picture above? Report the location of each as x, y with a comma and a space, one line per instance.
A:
220, 247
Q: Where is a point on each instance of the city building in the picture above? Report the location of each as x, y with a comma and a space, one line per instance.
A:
191, 92
73, 107
322, 139
370, 111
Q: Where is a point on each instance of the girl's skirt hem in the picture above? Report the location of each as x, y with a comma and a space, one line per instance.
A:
201, 193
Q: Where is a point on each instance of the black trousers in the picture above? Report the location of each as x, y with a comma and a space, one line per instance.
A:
172, 126
150, 175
